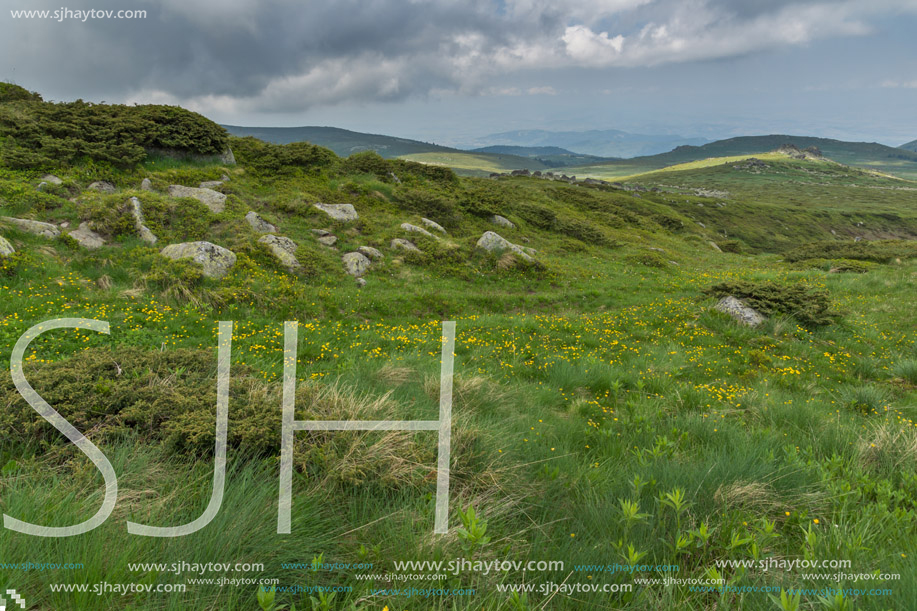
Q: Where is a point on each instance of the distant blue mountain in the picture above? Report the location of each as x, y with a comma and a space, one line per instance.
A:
600, 143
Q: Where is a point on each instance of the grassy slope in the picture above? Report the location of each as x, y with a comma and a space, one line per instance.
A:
596, 380
478, 164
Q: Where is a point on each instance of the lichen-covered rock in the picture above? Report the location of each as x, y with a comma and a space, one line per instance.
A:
739, 311
715, 246
46, 230
212, 199
86, 237
259, 224
502, 221
102, 186
361, 282
51, 178
433, 225
214, 260
146, 185
137, 212
283, 249
6, 249
339, 212
356, 263
328, 240
402, 244
415, 229
493, 242
371, 252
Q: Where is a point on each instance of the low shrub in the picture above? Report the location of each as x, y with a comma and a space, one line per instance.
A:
879, 251
811, 307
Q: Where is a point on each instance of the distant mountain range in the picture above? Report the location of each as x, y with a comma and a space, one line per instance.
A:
599, 143
910, 146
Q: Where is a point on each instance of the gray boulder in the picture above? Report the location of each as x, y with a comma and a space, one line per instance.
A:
715, 246
214, 260
51, 178
283, 249
46, 230
210, 184
259, 224
6, 249
328, 240
86, 237
739, 311
212, 199
371, 252
415, 229
320, 232
502, 221
361, 282
493, 242
356, 263
146, 185
137, 212
433, 225
339, 212
102, 186
401, 244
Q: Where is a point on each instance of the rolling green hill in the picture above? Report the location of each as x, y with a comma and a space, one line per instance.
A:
551, 156
910, 146
864, 154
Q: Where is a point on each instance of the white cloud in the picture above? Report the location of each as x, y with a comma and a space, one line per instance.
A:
899, 84
546, 90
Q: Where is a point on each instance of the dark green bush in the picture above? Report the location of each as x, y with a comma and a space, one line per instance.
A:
879, 251
811, 307
267, 158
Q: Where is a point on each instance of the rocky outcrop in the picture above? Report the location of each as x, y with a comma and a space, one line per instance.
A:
739, 311
215, 261
492, 242
502, 221
339, 212
259, 224
402, 244
46, 230
102, 186
146, 185
142, 230
86, 237
328, 240
52, 179
283, 249
433, 225
6, 249
715, 246
371, 252
356, 263
214, 200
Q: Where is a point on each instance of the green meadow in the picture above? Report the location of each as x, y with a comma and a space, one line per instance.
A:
604, 415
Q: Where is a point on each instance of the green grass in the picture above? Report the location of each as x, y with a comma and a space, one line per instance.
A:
596, 379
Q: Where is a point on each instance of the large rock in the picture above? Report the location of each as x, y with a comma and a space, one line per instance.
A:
339, 212
739, 311
401, 244
356, 263
51, 178
502, 221
328, 240
259, 224
212, 199
214, 260
371, 252
415, 229
137, 212
283, 249
6, 249
86, 237
46, 230
433, 225
146, 185
493, 242
102, 186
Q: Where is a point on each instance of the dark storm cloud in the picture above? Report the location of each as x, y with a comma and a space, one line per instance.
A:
286, 56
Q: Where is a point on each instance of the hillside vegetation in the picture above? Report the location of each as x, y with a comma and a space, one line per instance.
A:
604, 413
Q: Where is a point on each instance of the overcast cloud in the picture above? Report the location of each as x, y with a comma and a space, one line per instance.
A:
254, 59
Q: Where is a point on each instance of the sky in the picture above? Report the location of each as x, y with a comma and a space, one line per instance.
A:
448, 71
